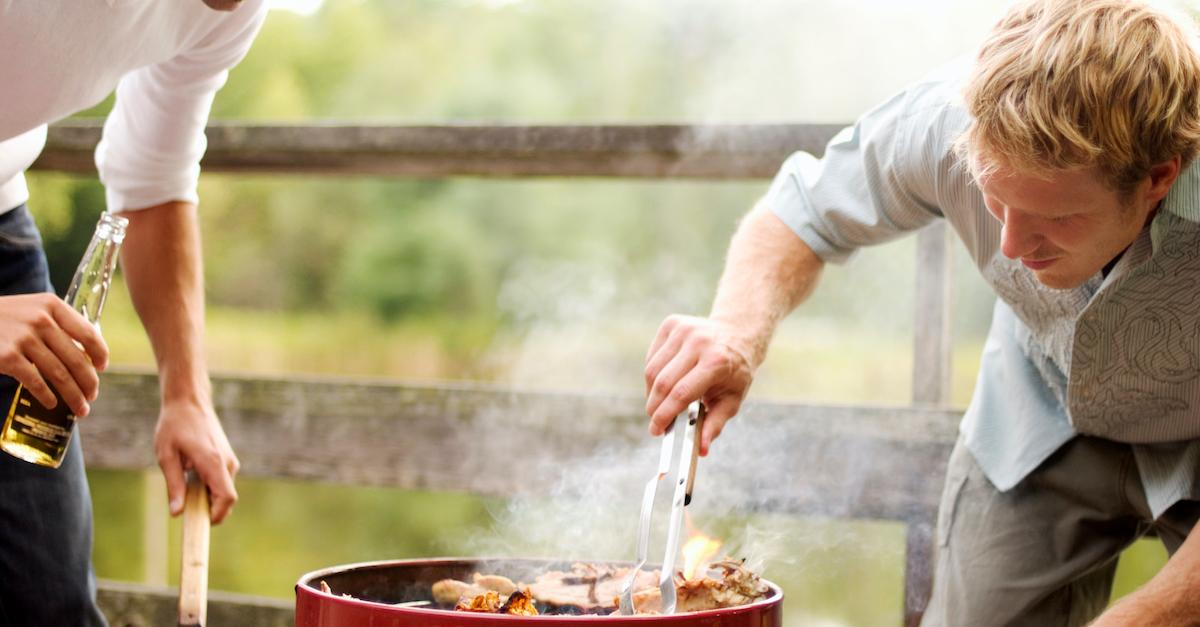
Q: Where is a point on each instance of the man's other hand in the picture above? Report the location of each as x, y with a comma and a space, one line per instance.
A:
190, 436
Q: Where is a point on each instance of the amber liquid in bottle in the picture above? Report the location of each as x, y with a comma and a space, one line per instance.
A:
31, 431
36, 434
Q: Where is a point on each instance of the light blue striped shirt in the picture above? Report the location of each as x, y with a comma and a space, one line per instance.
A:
1117, 357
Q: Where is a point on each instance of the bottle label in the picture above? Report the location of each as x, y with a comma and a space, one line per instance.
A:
33, 420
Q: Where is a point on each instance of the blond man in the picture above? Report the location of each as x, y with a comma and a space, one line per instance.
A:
1064, 161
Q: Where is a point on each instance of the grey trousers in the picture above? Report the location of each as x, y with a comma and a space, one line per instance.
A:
1045, 552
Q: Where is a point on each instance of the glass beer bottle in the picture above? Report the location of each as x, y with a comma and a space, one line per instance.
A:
32, 432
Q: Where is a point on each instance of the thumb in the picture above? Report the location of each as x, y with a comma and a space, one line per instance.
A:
720, 411
172, 470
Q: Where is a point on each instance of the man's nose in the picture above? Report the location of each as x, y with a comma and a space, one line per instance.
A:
1018, 236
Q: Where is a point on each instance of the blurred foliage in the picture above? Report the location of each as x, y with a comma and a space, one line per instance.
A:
72, 208
405, 250
547, 283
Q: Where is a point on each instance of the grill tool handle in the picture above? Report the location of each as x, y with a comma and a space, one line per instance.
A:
193, 576
698, 420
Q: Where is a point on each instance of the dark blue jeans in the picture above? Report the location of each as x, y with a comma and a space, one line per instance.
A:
45, 513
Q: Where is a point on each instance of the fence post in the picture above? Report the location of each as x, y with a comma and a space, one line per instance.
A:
155, 520
918, 570
931, 378
931, 322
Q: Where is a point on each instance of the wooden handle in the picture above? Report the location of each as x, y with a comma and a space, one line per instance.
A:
193, 576
701, 412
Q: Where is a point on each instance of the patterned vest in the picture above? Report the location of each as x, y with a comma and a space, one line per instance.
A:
1135, 370
1129, 343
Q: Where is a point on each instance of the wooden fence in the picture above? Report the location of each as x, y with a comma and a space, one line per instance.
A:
303, 429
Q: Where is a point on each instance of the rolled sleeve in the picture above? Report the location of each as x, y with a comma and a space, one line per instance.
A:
874, 183
154, 137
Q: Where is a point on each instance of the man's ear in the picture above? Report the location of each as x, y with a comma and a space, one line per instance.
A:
1162, 177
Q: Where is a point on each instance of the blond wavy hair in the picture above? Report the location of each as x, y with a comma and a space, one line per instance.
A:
1075, 84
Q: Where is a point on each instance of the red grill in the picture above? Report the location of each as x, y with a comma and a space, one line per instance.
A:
376, 586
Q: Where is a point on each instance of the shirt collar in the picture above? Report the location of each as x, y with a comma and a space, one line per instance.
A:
1184, 198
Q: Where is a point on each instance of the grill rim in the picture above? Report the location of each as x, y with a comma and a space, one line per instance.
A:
307, 585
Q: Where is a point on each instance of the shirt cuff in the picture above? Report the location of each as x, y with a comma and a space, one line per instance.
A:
120, 201
788, 199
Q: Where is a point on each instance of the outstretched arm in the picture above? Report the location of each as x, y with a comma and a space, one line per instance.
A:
876, 181
161, 262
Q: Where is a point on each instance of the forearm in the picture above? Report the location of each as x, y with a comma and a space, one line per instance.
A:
1170, 599
161, 258
769, 271
161, 261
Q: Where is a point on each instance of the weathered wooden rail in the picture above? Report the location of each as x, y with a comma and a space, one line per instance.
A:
645, 151
845, 462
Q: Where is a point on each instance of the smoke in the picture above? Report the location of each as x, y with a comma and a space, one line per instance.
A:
590, 514
743, 492
585, 325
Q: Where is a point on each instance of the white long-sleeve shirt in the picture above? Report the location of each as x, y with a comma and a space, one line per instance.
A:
166, 59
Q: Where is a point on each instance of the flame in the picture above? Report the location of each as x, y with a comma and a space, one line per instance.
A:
697, 551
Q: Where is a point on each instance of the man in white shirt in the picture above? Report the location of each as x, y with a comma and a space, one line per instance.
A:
166, 61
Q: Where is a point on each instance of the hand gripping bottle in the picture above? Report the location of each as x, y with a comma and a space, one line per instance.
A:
32, 432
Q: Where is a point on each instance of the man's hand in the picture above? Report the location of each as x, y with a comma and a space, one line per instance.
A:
696, 358
190, 436
40, 346
768, 272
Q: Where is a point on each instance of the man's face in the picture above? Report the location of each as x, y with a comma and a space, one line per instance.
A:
1067, 228
223, 5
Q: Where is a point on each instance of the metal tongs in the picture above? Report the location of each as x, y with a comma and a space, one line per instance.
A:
680, 450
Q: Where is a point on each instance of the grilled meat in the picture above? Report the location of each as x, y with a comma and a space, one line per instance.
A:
451, 591
595, 589
735, 585
488, 602
589, 587
519, 603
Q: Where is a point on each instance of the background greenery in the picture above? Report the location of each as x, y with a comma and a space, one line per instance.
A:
544, 283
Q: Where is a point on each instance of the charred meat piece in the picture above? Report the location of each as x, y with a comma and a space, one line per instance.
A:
451, 591
488, 602
591, 588
735, 585
519, 603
